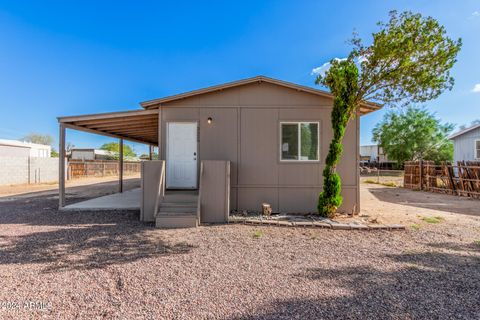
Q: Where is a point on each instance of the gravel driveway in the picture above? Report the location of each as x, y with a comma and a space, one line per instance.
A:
109, 265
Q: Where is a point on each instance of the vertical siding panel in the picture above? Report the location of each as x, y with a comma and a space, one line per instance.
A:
464, 146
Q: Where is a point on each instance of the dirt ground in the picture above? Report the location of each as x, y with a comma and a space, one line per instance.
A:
108, 265
385, 179
22, 189
397, 205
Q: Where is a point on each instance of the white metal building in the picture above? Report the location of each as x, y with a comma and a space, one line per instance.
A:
15, 148
91, 154
466, 144
372, 153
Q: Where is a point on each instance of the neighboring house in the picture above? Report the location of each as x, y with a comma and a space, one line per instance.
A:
275, 135
374, 155
466, 144
26, 163
15, 148
91, 154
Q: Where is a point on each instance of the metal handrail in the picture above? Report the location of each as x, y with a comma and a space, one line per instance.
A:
161, 190
199, 199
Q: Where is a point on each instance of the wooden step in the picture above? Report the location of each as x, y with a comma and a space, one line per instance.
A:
178, 204
168, 220
189, 210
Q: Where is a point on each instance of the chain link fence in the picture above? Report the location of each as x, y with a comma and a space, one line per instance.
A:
391, 178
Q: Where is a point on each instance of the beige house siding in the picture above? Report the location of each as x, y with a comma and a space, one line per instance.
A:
246, 131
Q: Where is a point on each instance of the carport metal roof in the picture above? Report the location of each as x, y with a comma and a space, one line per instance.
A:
137, 126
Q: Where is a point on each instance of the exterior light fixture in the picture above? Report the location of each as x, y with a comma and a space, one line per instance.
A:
209, 120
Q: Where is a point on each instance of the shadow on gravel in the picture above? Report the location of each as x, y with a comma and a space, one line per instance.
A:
88, 246
42, 208
456, 246
433, 285
428, 200
76, 240
76, 193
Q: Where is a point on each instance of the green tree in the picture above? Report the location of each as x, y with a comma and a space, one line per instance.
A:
414, 134
38, 138
145, 156
115, 148
408, 61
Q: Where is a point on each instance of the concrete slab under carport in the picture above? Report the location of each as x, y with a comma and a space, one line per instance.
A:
127, 200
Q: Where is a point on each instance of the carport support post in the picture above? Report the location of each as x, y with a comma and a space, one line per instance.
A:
150, 154
120, 167
61, 167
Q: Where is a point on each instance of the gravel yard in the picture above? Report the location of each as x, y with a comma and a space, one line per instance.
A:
109, 265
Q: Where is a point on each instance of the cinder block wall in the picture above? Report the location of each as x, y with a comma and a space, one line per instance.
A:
22, 170
43, 170
13, 170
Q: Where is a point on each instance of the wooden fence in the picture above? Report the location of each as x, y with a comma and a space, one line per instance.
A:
462, 179
100, 168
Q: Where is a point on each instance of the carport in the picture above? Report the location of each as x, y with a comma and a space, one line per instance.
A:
136, 126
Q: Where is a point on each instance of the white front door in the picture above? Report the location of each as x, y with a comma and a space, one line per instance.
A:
182, 155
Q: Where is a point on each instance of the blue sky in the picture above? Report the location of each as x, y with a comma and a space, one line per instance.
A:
61, 58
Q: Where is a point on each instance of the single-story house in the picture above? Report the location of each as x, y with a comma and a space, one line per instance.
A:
466, 144
91, 154
374, 155
273, 135
16, 148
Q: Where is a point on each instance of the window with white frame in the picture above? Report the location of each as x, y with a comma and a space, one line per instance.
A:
299, 141
477, 149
